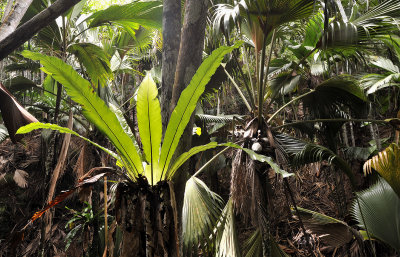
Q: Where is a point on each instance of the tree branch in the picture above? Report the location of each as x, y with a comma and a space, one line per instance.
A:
34, 25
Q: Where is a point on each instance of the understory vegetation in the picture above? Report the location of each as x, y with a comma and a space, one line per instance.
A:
201, 128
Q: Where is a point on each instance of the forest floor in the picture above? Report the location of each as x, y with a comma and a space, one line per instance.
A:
23, 188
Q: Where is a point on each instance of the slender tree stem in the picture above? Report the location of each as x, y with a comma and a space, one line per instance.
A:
238, 89
253, 105
260, 85
210, 161
105, 215
269, 60
246, 62
287, 104
285, 180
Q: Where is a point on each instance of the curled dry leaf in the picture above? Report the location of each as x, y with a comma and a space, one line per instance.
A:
14, 115
20, 178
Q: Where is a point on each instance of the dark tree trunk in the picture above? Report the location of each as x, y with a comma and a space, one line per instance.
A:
146, 219
171, 42
34, 25
191, 46
189, 59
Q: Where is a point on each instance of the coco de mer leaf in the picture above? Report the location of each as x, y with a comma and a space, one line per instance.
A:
94, 108
187, 103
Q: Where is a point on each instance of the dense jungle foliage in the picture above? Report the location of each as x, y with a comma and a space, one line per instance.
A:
200, 128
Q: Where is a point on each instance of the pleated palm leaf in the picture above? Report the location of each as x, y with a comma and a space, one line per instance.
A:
379, 212
377, 22
391, 77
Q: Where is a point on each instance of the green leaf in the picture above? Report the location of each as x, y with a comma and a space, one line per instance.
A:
38, 125
201, 210
120, 116
130, 16
187, 103
253, 245
379, 212
94, 108
150, 126
185, 156
262, 158
18, 84
95, 60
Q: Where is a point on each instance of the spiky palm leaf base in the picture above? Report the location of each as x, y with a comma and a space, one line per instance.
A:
145, 215
250, 190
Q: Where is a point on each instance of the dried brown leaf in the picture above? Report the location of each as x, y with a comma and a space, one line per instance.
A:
20, 178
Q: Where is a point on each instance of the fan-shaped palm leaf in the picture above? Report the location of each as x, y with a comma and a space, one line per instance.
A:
330, 95
254, 248
206, 118
379, 21
374, 82
201, 210
379, 212
227, 241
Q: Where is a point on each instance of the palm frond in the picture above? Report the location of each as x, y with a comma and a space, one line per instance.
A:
379, 211
331, 231
332, 95
227, 241
130, 16
373, 82
3, 133
381, 20
359, 153
253, 245
95, 61
201, 210
385, 64
387, 164
299, 153
223, 119
19, 84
